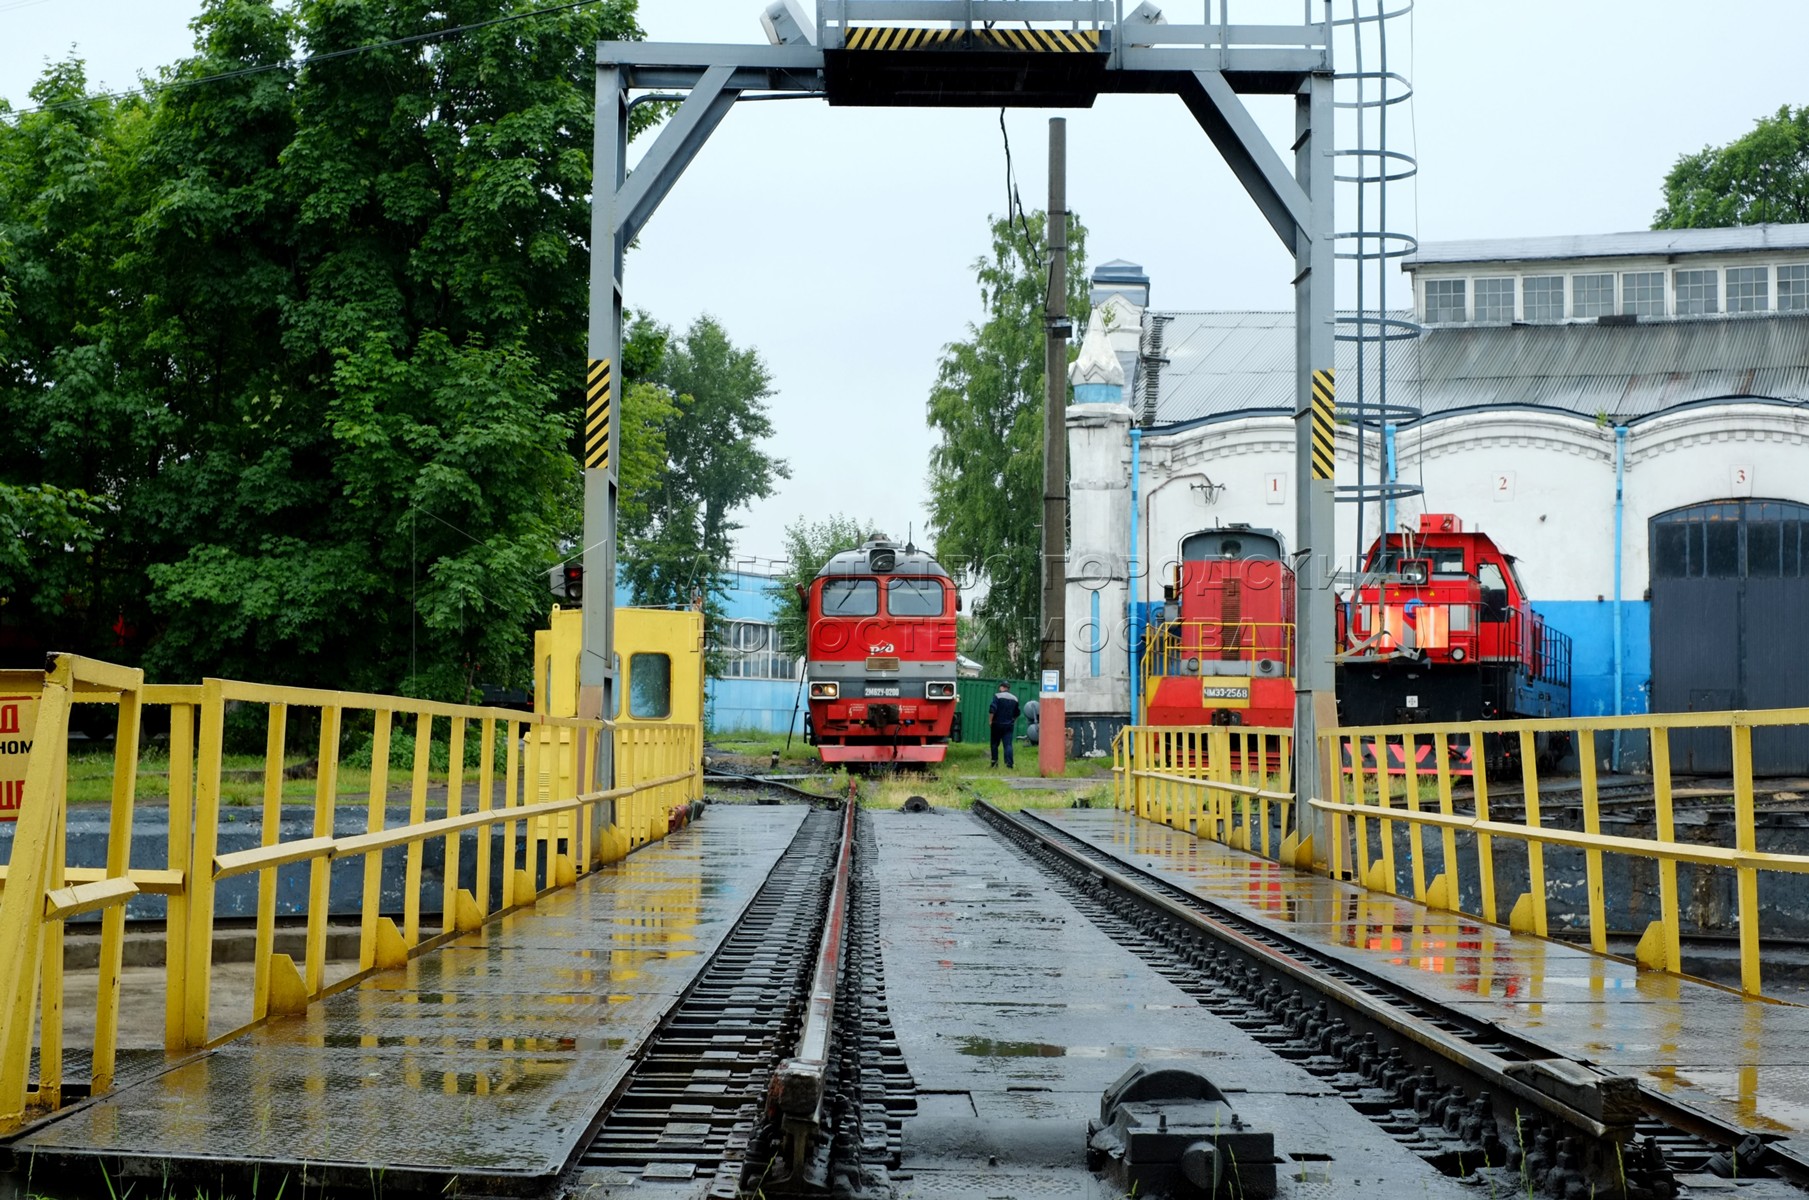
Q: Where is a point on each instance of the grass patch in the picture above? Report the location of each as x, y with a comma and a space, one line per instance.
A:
241, 779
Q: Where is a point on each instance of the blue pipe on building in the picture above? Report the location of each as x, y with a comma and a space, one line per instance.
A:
1620, 476
1093, 651
1130, 582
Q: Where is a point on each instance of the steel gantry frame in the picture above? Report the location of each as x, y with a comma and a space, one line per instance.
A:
953, 53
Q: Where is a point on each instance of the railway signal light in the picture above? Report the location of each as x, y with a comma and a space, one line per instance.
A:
573, 578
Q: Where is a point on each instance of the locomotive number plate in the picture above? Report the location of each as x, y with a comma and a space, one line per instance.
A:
1227, 695
882, 689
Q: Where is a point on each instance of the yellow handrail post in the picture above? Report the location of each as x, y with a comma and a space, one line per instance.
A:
119, 865
179, 859
455, 805
417, 812
486, 800
1485, 850
1453, 874
326, 794
372, 908
1746, 841
512, 778
264, 943
1592, 859
1535, 853
198, 977
1666, 830
1416, 842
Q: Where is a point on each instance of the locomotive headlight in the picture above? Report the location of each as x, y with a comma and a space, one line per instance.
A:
939, 691
1457, 654
825, 691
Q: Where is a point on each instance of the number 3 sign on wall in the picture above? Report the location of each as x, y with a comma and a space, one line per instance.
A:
1741, 481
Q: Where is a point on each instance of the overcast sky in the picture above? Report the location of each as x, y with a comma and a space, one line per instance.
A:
840, 242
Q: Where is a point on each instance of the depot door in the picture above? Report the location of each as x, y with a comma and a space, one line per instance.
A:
1730, 587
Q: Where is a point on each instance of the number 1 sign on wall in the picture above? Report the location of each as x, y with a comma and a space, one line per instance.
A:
1275, 488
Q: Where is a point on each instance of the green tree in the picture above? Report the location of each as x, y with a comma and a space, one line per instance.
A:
808, 545
315, 338
681, 544
986, 470
74, 427
1756, 179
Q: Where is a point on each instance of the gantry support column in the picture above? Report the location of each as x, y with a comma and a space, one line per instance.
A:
1315, 681
602, 385
620, 206
1299, 209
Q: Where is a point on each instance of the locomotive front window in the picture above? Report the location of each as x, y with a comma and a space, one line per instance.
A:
914, 597
851, 598
1448, 562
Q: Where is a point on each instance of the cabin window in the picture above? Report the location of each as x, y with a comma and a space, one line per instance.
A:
914, 597
649, 686
1494, 591
851, 598
1447, 561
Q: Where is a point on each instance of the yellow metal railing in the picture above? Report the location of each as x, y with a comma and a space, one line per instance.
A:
1173, 642
553, 831
1371, 801
1230, 783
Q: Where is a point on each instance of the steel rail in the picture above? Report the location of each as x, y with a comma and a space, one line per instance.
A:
799, 1083
1579, 1095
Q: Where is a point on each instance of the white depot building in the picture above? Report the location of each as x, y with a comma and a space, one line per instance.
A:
1624, 413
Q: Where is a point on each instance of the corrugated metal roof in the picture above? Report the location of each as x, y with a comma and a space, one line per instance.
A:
1227, 363
1639, 243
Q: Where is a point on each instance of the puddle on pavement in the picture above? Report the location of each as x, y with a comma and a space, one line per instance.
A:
988, 1048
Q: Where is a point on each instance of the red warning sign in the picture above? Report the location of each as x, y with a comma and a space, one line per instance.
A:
18, 722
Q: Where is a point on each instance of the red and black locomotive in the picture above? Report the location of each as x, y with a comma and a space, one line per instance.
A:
880, 658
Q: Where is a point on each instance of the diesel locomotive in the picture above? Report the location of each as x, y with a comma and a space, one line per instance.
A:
880, 656
1438, 629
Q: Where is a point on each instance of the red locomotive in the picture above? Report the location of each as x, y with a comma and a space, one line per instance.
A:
880, 663
1224, 653
1437, 630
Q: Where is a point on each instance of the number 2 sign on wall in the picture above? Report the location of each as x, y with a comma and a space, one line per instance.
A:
1503, 485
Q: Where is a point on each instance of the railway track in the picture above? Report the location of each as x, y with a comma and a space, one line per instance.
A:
1467, 1096
775, 1072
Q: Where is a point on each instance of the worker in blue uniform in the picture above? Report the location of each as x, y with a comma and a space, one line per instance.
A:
1004, 710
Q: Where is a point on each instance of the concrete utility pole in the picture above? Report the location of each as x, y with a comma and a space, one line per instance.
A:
1055, 411
1052, 743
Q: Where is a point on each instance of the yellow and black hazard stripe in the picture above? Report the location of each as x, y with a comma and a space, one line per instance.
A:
876, 37
1058, 41
1325, 430
596, 416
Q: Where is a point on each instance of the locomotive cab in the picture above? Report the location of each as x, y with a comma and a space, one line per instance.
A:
1439, 629
1224, 652
880, 657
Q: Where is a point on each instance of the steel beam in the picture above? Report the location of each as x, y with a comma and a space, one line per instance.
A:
678, 143
1281, 199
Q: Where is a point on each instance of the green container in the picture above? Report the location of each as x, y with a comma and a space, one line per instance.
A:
973, 712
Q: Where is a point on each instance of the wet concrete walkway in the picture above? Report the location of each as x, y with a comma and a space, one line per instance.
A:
489, 1056
1015, 1012
1744, 1061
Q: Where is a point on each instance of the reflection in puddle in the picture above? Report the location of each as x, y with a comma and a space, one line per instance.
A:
987, 1048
